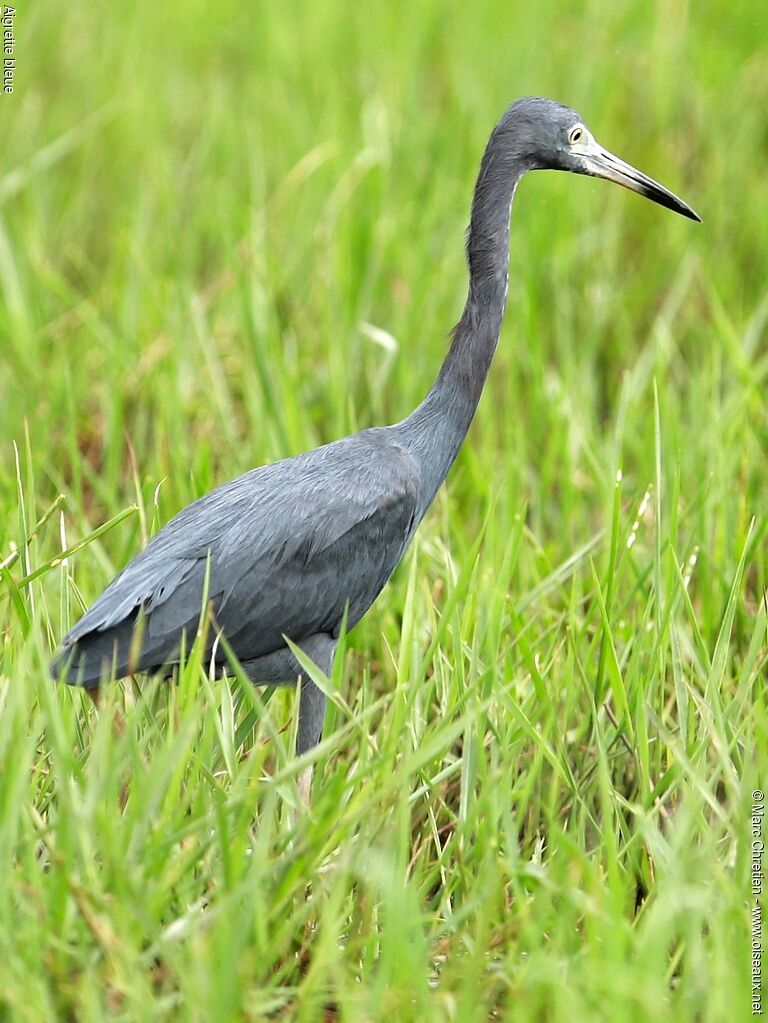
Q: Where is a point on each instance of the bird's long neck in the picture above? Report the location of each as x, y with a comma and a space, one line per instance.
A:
435, 430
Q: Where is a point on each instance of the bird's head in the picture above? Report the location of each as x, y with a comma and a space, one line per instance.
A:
548, 136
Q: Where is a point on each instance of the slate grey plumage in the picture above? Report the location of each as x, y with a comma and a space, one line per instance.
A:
289, 547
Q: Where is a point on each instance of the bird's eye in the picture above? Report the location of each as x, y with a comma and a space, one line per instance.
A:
575, 135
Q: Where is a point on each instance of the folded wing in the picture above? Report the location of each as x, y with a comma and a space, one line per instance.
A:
280, 551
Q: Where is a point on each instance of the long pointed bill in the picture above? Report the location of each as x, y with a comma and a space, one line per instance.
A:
601, 164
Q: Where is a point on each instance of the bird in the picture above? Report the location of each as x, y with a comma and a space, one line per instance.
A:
290, 554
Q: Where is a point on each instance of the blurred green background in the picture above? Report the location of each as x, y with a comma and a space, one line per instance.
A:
208, 214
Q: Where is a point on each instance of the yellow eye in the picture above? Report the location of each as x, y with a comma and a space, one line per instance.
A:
576, 135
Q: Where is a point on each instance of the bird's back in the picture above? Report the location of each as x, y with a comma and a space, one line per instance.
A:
283, 550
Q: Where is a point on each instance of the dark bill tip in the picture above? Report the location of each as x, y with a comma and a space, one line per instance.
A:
605, 165
667, 199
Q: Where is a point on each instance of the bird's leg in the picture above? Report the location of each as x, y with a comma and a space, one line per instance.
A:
312, 707
311, 715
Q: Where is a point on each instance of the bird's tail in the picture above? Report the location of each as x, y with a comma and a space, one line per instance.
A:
99, 655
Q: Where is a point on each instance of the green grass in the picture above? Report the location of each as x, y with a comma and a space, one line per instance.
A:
532, 799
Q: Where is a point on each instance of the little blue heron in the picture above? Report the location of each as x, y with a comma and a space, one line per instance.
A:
287, 550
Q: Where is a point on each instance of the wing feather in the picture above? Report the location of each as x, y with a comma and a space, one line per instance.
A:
287, 546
